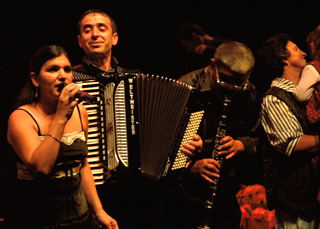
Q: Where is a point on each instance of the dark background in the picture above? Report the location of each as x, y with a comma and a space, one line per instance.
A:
146, 31
146, 34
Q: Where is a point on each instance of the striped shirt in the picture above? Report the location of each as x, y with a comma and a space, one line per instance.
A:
281, 125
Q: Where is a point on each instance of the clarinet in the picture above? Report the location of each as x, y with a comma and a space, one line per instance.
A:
221, 133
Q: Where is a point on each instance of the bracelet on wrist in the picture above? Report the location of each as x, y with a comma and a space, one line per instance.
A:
50, 135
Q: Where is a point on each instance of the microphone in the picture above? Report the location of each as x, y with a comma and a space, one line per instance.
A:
82, 95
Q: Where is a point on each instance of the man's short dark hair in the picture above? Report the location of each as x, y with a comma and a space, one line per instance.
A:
186, 30
97, 11
272, 53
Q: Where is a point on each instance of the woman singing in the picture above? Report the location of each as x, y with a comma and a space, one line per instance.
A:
53, 185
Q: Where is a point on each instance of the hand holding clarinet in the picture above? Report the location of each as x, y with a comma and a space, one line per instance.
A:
208, 168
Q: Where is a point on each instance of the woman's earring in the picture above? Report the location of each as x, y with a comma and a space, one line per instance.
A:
36, 94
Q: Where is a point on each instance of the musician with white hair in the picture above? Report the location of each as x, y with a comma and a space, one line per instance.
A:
230, 135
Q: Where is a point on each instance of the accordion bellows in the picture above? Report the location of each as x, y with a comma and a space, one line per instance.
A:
145, 121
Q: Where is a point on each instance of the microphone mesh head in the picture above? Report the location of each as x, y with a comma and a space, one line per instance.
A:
61, 86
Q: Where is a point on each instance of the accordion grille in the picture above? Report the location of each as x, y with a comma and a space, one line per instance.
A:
121, 125
112, 158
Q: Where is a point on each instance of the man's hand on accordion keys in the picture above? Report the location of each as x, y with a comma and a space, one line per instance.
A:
193, 147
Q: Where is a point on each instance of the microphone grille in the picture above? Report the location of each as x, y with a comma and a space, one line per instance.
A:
61, 86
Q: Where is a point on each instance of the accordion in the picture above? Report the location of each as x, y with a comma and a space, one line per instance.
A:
140, 123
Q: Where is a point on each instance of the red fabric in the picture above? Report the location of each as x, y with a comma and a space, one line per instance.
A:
313, 106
